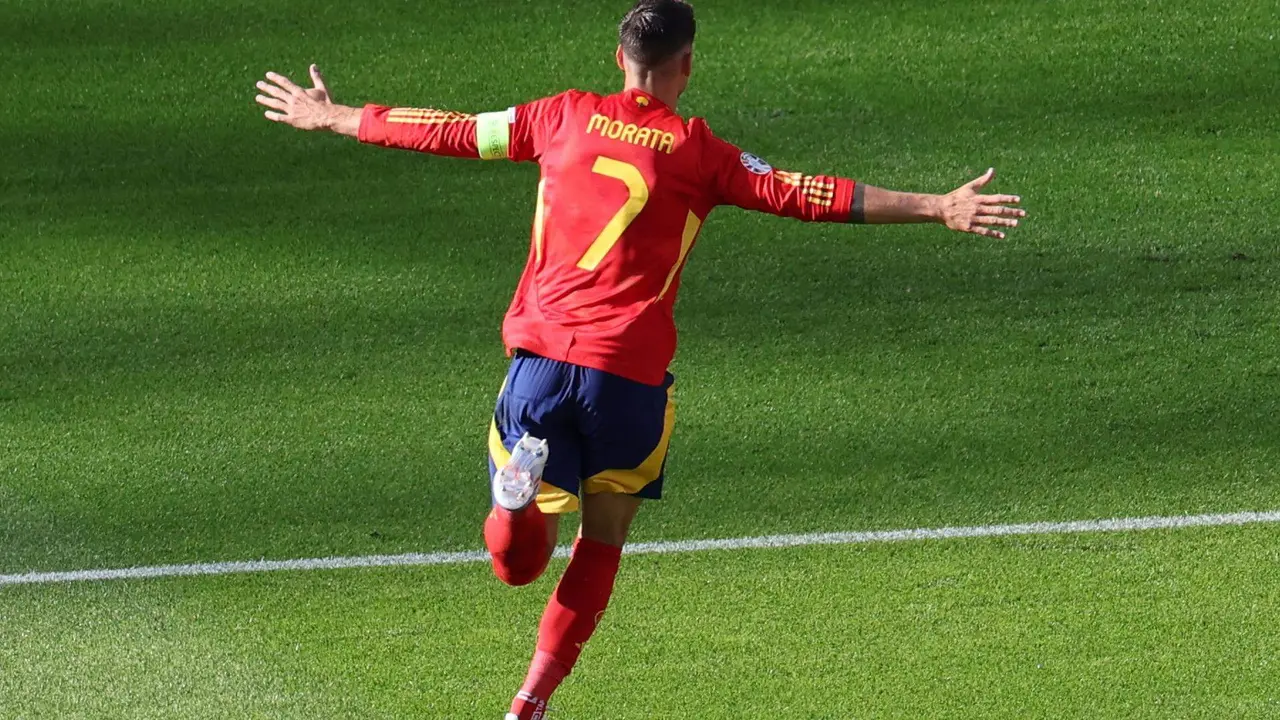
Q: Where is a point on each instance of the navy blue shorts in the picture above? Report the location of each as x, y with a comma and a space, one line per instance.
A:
604, 433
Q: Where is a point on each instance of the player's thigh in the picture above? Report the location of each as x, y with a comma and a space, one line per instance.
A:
625, 433
537, 398
606, 517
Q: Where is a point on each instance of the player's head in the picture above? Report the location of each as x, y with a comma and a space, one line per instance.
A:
656, 37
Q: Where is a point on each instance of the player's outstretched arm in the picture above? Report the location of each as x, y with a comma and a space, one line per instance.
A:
489, 136
744, 180
964, 209
306, 108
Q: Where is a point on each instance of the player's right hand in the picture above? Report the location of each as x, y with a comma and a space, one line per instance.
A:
303, 108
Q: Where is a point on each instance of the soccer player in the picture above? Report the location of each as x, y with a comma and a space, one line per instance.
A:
585, 413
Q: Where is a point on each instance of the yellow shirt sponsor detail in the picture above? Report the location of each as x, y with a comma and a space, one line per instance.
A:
631, 133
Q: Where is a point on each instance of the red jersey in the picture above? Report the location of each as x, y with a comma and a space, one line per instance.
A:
626, 186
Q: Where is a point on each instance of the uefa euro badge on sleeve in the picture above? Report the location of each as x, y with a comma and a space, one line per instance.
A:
755, 164
515, 485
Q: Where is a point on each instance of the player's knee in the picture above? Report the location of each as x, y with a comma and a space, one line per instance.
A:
606, 517
520, 544
609, 534
517, 574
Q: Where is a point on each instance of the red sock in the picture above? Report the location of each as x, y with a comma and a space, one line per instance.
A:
517, 540
572, 613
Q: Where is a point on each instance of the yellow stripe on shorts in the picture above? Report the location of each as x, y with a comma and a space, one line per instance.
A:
633, 481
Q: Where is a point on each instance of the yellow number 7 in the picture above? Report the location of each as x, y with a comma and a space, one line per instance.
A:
604, 242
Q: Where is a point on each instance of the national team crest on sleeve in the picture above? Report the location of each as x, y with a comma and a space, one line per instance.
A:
755, 164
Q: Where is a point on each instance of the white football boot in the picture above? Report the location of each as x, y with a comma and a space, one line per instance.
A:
515, 485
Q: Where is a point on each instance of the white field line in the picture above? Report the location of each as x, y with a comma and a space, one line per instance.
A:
658, 548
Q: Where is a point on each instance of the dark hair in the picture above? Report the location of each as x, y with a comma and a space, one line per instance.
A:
655, 31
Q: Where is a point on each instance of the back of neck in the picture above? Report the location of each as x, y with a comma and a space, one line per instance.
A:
654, 86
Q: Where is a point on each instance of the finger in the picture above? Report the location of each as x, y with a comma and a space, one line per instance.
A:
317, 79
283, 82
271, 102
1000, 199
992, 220
986, 232
272, 90
1001, 210
274, 116
975, 183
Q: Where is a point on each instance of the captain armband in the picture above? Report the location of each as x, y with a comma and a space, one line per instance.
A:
493, 134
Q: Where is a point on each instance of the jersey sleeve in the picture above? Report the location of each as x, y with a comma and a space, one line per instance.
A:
519, 133
534, 124
744, 180
438, 132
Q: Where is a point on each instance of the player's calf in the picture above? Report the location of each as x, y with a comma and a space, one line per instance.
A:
578, 603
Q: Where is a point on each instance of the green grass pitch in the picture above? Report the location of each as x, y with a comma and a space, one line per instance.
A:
224, 340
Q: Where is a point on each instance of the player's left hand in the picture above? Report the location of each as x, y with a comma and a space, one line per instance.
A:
303, 108
965, 210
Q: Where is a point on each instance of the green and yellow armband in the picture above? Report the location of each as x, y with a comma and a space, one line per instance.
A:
493, 134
